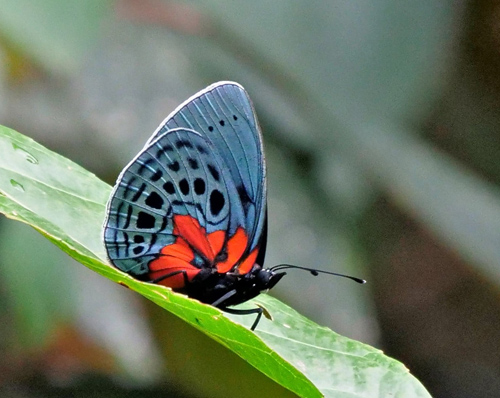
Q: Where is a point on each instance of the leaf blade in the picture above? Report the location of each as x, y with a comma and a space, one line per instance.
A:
67, 204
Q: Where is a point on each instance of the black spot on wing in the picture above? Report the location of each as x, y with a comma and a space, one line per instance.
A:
156, 176
144, 166
183, 144
199, 186
145, 220
201, 149
154, 200
163, 149
174, 166
213, 171
164, 222
139, 192
125, 240
193, 163
169, 187
217, 202
242, 193
184, 186
138, 250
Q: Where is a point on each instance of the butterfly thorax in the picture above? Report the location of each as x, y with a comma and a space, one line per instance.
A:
210, 287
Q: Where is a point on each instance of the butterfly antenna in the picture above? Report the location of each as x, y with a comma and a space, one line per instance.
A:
315, 272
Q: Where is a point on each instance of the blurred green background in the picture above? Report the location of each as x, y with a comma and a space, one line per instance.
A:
381, 123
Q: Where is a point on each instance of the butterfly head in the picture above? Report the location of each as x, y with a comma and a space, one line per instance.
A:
266, 278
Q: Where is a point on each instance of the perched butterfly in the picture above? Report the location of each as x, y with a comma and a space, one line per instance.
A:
189, 211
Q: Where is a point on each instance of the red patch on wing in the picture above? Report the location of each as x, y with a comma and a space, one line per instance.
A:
174, 257
216, 240
191, 238
207, 245
246, 265
167, 265
236, 246
180, 249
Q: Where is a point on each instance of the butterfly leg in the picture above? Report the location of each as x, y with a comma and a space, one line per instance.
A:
183, 272
231, 293
257, 311
224, 297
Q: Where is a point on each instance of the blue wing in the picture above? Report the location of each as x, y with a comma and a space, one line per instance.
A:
223, 113
178, 173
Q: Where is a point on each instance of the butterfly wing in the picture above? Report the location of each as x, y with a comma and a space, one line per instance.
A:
223, 113
176, 199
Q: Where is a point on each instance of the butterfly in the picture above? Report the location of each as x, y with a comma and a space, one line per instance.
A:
190, 210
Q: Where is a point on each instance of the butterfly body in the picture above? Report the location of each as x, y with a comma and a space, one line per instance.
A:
189, 211
210, 286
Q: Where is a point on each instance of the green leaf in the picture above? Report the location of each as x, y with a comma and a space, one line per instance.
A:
67, 204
